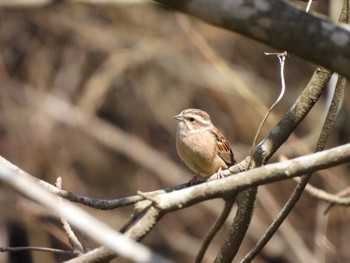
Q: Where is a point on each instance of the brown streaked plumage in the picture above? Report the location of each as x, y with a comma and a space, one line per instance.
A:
200, 144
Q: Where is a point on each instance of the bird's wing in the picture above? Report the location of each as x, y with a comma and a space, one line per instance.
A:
224, 148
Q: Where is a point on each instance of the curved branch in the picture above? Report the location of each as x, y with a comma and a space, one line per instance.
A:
280, 133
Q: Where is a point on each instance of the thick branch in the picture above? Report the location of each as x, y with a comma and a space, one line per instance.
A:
279, 25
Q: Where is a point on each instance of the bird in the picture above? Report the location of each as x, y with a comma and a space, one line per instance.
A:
200, 145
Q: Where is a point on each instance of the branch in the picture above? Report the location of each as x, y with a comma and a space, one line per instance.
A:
95, 229
284, 128
327, 197
136, 232
72, 238
277, 23
103, 204
42, 249
215, 228
321, 142
239, 227
304, 179
255, 177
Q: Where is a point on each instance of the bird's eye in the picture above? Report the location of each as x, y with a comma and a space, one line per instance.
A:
191, 119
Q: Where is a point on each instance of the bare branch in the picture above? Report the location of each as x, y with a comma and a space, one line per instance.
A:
323, 43
320, 194
330, 119
95, 229
103, 204
258, 176
282, 58
42, 249
73, 240
137, 232
321, 142
214, 229
239, 227
280, 133
327, 197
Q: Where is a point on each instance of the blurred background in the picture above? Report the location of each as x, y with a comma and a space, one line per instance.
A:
135, 66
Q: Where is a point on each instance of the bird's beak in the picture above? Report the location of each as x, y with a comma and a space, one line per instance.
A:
179, 117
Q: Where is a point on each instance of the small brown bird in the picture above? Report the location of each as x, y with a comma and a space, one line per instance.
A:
200, 144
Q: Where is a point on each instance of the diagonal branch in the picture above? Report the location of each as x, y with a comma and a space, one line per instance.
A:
95, 229
215, 228
239, 226
283, 129
304, 179
321, 142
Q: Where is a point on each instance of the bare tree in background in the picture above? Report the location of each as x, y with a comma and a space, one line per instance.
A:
88, 94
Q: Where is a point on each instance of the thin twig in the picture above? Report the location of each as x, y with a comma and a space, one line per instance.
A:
104, 204
282, 59
334, 199
73, 240
42, 249
341, 193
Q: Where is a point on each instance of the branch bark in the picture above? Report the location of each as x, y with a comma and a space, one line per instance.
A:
279, 25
